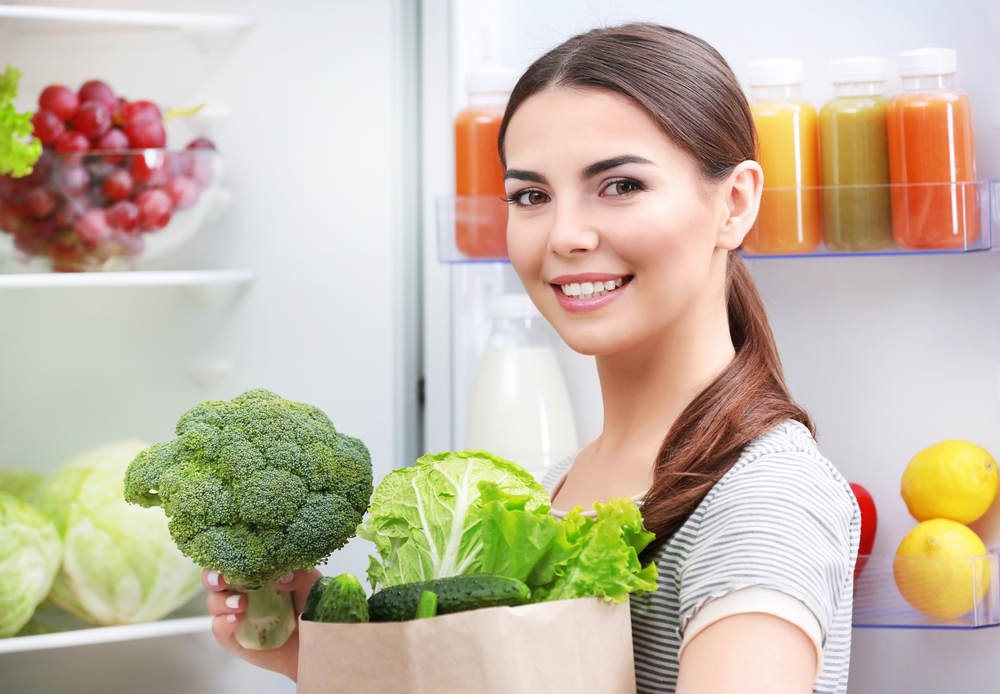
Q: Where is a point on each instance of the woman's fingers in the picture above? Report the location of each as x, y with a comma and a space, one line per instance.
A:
299, 583
213, 580
226, 603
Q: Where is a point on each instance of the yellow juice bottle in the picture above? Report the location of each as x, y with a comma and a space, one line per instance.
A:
854, 149
790, 217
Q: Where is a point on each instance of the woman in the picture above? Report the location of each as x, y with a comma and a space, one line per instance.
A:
631, 180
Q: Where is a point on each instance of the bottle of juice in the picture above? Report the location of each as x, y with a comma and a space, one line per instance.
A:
857, 212
480, 208
790, 217
931, 155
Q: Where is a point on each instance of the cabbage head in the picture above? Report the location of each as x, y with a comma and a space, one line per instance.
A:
120, 565
29, 559
20, 483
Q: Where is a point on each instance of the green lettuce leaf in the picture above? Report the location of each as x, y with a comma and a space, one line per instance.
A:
425, 520
574, 558
16, 156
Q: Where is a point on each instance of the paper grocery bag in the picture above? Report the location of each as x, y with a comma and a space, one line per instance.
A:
562, 647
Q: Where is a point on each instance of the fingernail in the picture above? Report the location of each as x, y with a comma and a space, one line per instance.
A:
288, 577
231, 618
233, 602
213, 579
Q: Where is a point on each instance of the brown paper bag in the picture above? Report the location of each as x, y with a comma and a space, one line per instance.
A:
562, 647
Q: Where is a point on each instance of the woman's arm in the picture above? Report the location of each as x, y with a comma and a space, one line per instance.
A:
752, 653
227, 608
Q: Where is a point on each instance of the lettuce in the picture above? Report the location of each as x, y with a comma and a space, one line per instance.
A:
16, 157
472, 512
425, 519
577, 557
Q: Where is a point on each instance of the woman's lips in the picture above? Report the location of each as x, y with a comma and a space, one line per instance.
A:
578, 293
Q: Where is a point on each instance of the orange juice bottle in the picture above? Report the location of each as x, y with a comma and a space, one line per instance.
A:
480, 208
790, 217
931, 155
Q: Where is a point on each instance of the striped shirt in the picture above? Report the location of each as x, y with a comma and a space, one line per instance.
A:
782, 518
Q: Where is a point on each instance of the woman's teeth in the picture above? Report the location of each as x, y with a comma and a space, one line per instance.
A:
589, 290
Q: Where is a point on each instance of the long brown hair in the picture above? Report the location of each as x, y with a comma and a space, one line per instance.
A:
689, 89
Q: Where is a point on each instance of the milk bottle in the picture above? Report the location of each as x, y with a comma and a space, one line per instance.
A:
520, 408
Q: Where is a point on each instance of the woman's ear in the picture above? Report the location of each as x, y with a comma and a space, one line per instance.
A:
741, 195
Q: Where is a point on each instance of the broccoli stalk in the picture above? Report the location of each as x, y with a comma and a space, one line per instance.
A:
254, 488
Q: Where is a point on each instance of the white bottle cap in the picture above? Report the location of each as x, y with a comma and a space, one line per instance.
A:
499, 80
858, 70
928, 61
775, 72
512, 306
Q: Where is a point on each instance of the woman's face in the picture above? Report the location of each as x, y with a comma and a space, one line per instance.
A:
612, 229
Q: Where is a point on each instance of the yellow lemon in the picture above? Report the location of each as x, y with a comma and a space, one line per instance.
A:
940, 568
956, 480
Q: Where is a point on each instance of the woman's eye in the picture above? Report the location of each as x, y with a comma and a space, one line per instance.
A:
527, 198
623, 187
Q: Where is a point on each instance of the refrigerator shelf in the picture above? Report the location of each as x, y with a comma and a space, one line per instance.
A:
953, 592
67, 630
139, 278
974, 231
37, 17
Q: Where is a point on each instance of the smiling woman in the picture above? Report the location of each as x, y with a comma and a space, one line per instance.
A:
632, 181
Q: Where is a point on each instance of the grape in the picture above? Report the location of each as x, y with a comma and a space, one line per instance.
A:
145, 134
71, 210
29, 244
183, 191
92, 227
201, 168
92, 119
201, 143
149, 168
70, 181
59, 100
48, 126
95, 90
11, 221
39, 173
118, 184
72, 141
136, 111
39, 202
155, 207
123, 216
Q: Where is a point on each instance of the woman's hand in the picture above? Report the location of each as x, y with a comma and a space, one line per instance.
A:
227, 608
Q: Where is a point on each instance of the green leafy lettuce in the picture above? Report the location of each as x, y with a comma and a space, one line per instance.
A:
472, 512
425, 519
16, 156
576, 557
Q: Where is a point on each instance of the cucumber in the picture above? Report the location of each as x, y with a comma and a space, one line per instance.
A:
315, 593
341, 600
454, 594
427, 605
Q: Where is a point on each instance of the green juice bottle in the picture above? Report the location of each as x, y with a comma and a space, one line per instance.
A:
854, 151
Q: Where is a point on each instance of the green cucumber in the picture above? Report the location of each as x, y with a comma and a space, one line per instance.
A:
315, 593
427, 605
341, 600
454, 594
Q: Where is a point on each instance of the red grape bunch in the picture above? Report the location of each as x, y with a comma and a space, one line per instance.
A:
103, 181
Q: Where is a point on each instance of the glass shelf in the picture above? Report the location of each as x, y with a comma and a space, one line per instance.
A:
952, 592
51, 627
34, 16
941, 218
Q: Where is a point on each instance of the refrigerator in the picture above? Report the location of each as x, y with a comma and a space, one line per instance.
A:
318, 273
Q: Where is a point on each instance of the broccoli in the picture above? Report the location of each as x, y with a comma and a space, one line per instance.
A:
254, 488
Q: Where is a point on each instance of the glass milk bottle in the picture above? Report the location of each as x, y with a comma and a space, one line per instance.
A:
854, 151
931, 151
520, 408
789, 220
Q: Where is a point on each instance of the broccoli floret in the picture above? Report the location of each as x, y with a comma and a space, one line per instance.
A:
254, 488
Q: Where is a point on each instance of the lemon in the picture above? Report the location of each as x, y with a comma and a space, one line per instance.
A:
940, 568
956, 480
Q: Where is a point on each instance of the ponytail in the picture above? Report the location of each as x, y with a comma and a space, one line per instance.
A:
746, 401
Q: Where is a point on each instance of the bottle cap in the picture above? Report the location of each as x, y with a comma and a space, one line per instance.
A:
928, 61
775, 72
512, 306
499, 80
867, 69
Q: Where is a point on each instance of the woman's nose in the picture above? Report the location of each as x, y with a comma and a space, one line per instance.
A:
571, 233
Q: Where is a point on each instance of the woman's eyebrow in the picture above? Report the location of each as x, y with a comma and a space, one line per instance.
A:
602, 166
525, 176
